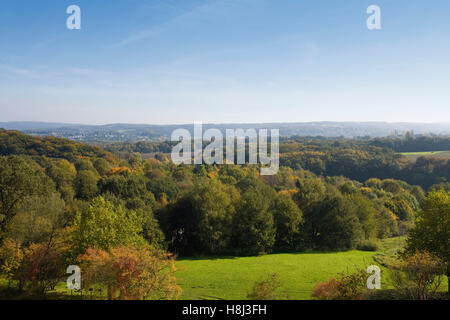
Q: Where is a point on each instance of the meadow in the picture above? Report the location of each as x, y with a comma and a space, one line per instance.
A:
413, 156
233, 278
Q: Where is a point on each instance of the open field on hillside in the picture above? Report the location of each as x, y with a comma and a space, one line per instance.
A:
413, 156
233, 278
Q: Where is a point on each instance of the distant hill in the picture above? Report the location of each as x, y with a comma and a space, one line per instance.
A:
144, 132
16, 143
31, 125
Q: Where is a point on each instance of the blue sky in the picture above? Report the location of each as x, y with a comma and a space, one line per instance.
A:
223, 61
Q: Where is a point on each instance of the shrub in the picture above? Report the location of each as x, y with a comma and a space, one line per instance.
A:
346, 287
267, 289
418, 276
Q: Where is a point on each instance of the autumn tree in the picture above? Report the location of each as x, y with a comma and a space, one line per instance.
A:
418, 276
43, 264
135, 273
347, 286
11, 256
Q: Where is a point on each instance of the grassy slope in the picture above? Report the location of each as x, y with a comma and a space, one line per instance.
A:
413, 156
233, 278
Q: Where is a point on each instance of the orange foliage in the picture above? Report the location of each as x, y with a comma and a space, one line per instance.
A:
131, 272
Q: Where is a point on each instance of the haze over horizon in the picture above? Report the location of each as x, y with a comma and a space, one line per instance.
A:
219, 123
224, 61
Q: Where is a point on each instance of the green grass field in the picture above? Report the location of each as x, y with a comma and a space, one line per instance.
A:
233, 278
413, 156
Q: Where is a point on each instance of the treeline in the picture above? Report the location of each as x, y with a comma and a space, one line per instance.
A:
357, 159
140, 147
408, 143
411, 143
363, 162
239, 214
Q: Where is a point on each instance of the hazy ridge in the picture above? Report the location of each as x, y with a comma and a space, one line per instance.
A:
144, 132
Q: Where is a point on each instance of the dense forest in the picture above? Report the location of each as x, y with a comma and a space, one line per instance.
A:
327, 195
357, 159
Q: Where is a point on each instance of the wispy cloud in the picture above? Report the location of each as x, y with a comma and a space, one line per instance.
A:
200, 11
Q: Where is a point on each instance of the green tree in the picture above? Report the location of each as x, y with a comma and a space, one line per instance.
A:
104, 226
102, 166
334, 224
366, 213
37, 219
310, 191
253, 224
432, 230
19, 178
86, 184
287, 218
201, 221
63, 173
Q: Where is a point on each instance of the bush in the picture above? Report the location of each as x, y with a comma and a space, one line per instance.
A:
346, 287
267, 289
418, 276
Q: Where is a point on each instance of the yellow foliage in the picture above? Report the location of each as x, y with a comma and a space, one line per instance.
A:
118, 170
289, 192
213, 174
